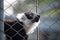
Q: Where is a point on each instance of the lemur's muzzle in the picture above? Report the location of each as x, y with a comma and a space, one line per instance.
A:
36, 19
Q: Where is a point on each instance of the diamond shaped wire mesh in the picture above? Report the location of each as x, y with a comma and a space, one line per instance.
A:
49, 24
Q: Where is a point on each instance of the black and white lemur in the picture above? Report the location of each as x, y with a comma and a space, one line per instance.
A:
26, 24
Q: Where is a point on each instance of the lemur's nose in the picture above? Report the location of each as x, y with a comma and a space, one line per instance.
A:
36, 19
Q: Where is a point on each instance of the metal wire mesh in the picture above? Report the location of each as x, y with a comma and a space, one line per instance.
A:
49, 24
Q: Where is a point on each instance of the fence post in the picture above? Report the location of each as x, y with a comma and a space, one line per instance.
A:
1, 21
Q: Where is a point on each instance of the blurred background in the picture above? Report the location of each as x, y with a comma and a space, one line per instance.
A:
49, 10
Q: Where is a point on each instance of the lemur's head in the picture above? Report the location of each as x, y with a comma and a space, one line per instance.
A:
28, 16
32, 17
30, 20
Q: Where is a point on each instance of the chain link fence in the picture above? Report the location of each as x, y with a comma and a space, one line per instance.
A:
50, 26
50, 18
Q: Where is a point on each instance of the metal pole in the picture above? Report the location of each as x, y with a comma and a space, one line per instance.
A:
37, 12
1, 21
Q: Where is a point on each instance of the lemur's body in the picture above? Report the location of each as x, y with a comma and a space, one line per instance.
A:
28, 21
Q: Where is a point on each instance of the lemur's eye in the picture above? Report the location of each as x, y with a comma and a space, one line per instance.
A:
30, 15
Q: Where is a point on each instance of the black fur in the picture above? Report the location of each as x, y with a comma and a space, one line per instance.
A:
36, 19
29, 15
15, 29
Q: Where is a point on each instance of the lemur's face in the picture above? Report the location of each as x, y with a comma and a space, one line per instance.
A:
32, 16
28, 17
